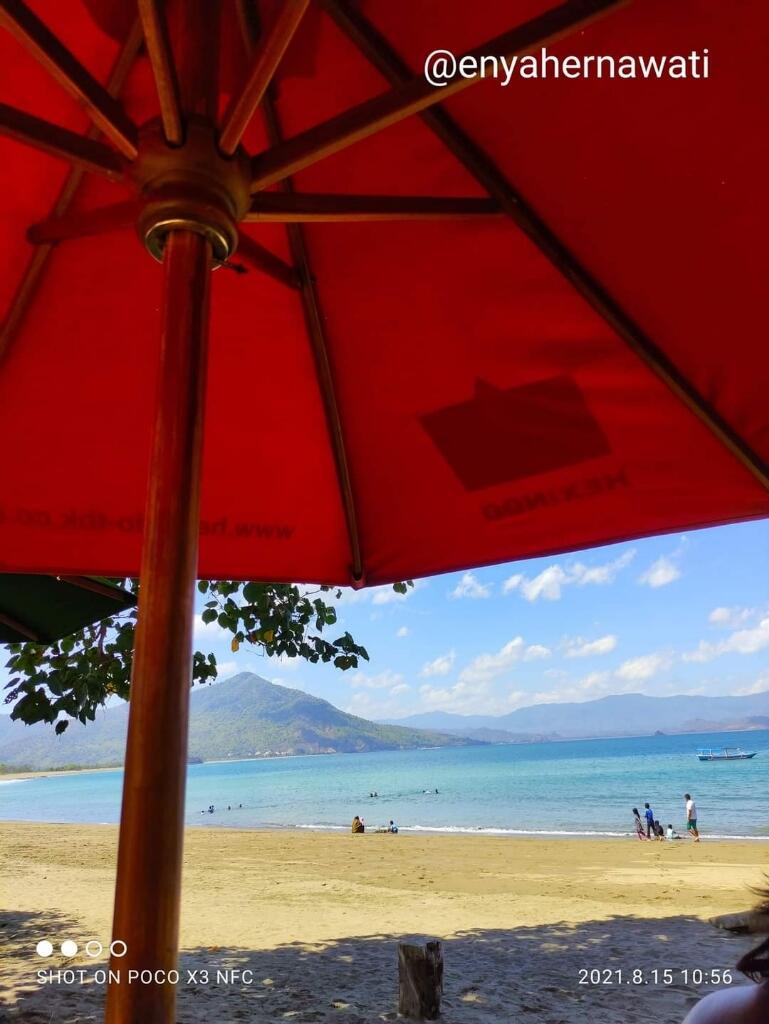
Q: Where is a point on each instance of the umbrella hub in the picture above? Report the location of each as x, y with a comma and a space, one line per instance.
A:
190, 187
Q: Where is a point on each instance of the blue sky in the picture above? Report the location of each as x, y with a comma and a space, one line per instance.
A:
678, 614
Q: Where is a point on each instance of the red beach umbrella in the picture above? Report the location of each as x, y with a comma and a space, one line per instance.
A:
454, 323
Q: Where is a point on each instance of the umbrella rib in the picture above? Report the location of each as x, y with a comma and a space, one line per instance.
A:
20, 627
161, 56
96, 586
262, 259
33, 271
248, 17
266, 59
51, 53
306, 207
83, 223
416, 94
60, 142
389, 63
317, 337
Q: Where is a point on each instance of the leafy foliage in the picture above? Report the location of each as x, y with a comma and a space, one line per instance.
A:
72, 678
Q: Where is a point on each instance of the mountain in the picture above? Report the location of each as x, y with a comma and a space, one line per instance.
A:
627, 714
245, 716
486, 735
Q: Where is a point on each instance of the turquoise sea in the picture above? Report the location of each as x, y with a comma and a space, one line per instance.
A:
584, 787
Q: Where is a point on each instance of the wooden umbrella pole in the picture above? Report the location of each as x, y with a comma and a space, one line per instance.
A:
147, 899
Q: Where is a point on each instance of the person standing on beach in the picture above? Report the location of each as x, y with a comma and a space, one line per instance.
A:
649, 821
639, 828
691, 818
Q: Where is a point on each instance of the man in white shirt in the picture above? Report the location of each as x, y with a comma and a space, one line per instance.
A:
691, 817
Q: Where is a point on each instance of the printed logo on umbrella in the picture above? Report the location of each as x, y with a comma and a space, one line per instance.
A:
501, 435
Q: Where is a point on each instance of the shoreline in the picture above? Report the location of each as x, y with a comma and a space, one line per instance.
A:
415, 831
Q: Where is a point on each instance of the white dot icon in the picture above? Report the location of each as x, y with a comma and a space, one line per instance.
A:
44, 948
93, 948
69, 948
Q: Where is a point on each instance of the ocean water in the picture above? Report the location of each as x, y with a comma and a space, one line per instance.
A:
585, 787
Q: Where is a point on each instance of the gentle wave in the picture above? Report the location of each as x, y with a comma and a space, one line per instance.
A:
490, 831
10, 782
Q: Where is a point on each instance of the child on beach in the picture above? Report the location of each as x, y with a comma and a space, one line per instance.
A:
649, 821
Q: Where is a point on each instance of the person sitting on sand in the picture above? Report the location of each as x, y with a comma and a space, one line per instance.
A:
639, 825
671, 833
659, 832
392, 827
740, 1004
357, 825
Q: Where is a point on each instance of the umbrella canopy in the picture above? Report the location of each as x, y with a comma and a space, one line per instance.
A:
582, 367
46, 608
528, 320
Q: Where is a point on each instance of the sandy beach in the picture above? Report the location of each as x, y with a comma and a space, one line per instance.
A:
316, 918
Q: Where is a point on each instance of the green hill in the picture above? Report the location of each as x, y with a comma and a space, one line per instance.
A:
245, 716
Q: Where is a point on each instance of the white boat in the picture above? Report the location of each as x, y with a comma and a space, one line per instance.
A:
725, 754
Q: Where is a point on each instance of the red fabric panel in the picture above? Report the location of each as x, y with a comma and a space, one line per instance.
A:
489, 413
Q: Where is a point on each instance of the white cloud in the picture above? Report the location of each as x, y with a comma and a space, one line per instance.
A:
550, 583
512, 583
589, 687
208, 632
440, 666
535, 652
467, 698
378, 705
386, 595
761, 684
742, 641
383, 594
731, 618
578, 647
226, 669
286, 664
602, 574
644, 667
594, 681
488, 666
403, 631
399, 688
470, 586
385, 680
660, 573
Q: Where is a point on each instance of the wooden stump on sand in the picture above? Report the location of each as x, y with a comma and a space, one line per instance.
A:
420, 980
